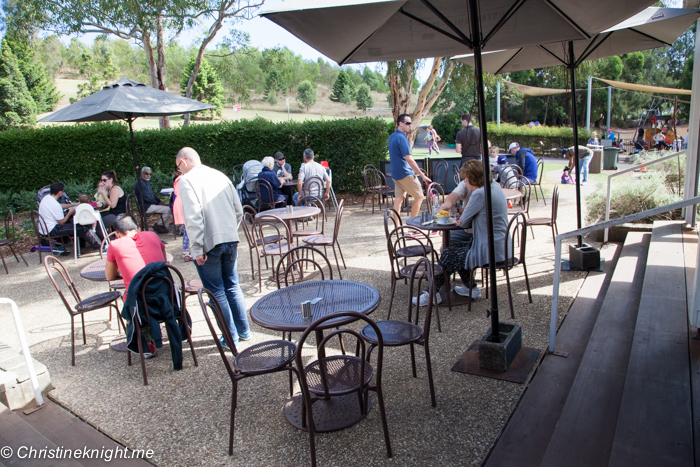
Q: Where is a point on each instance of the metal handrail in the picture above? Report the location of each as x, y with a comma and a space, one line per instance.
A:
25, 350
592, 228
635, 167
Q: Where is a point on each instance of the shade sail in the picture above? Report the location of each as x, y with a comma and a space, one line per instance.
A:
533, 91
645, 88
126, 99
651, 28
356, 31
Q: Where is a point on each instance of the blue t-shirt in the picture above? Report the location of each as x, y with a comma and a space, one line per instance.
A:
399, 147
529, 164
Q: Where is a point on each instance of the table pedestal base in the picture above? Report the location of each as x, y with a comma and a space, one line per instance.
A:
331, 415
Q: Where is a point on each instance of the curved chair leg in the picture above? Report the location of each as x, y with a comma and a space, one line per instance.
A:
234, 398
3, 263
72, 339
510, 294
527, 283
82, 319
391, 299
430, 375
382, 412
341, 255
413, 361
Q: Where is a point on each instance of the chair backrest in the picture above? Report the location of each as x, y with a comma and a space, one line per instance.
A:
39, 225
85, 215
540, 171
405, 235
51, 263
316, 202
440, 172
247, 223
375, 178
338, 218
392, 219
524, 186
517, 230
208, 302
237, 174
313, 186
109, 237
321, 348
132, 209
296, 259
433, 192
455, 174
264, 191
176, 286
555, 202
422, 269
9, 225
271, 222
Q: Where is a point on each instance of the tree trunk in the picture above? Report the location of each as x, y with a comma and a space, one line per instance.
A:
160, 68
505, 110
198, 61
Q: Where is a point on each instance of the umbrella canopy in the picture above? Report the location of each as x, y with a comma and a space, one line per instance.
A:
648, 29
356, 31
123, 100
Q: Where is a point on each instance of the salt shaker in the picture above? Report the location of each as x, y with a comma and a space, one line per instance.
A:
306, 309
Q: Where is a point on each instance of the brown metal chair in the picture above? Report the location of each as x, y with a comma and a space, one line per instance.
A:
330, 241
522, 204
295, 263
258, 359
455, 174
433, 192
548, 221
409, 332
517, 229
96, 302
254, 244
313, 186
39, 225
263, 186
176, 301
262, 226
538, 183
306, 232
338, 375
376, 185
440, 173
392, 219
402, 237
132, 209
10, 239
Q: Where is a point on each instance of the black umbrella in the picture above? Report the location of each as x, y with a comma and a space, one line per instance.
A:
127, 100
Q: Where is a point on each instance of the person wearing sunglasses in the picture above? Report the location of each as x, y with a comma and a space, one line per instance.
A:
151, 203
113, 196
404, 167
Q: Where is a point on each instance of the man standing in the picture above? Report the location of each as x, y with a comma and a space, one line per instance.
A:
526, 160
468, 140
57, 222
308, 169
213, 212
151, 203
404, 167
128, 254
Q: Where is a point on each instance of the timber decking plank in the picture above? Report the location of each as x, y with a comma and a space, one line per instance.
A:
655, 424
584, 434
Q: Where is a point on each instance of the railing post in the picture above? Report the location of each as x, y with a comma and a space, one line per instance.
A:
25, 350
607, 210
555, 294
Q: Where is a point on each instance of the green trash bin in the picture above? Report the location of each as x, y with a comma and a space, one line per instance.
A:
610, 158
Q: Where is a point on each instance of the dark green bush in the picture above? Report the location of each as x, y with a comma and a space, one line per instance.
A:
447, 125
30, 159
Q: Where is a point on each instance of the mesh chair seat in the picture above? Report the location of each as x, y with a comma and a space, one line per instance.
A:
265, 356
393, 332
118, 284
540, 221
5, 241
275, 249
413, 251
269, 239
97, 301
511, 263
307, 232
319, 240
406, 270
343, 373
193, 286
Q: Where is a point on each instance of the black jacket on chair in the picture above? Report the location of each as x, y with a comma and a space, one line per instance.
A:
159, 309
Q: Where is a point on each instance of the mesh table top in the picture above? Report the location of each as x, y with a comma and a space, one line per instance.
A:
299, 213
281, 309
96, 271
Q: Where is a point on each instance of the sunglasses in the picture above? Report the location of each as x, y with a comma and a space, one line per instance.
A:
147, 173
104, 179
406, 123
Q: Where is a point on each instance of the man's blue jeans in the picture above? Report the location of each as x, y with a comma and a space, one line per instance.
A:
219, 274
583, 168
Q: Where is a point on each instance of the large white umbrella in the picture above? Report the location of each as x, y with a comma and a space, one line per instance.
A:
653, 27
356, 31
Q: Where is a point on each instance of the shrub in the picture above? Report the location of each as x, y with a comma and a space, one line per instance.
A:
33, 158
364, 97
447, 125
306, 94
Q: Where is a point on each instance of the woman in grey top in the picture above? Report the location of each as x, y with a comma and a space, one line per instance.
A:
464, 257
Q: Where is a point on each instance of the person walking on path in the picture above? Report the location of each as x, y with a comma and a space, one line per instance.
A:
212, 213
404, 167
432, 138
468, 140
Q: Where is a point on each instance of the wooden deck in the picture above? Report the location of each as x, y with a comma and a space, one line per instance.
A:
624, 395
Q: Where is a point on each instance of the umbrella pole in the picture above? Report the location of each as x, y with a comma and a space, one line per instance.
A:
144, 224
574, 122
478, 73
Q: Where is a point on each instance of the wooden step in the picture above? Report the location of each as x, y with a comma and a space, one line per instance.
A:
527, 434
584, 433
655, 425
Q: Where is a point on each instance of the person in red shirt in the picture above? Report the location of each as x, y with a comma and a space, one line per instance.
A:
132, 251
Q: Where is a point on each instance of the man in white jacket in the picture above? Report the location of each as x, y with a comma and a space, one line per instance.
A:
213, 212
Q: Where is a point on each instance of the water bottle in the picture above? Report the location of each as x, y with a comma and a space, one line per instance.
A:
436, 209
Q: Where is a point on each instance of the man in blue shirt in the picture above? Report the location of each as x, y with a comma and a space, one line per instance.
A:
526, 161
404, 168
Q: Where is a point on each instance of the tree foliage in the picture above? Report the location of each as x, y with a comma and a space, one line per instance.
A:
97, 66
364, 97
207, 87
17, 108
273, 85
343, 88
306, 94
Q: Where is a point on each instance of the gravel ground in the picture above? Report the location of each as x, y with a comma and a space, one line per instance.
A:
184, 416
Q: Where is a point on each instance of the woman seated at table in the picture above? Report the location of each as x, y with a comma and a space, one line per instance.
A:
275, 182
466, 256
114, 197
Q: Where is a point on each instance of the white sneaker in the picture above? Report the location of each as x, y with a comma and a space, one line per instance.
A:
584, 183
464, 292
424, 299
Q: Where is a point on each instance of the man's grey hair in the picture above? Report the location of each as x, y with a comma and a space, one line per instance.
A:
125, 223
189, 154
308, 154
145, 168
268, 162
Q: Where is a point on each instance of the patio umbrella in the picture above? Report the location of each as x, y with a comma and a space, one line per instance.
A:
356, 31
126, 100
653, 27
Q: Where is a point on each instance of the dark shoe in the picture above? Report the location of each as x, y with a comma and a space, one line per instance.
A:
160, 229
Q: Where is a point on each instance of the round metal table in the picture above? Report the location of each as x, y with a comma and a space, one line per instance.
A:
281, 311
300, 212
96, 271
512, 194
435, 227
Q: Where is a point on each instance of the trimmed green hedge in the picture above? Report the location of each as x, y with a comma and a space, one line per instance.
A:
30, 159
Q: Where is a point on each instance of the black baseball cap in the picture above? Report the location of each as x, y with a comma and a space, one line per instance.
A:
279, 156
